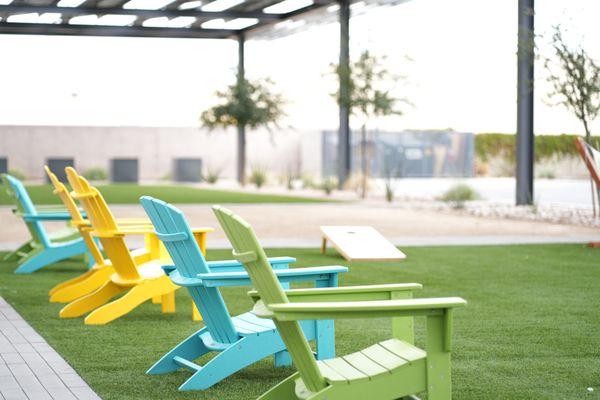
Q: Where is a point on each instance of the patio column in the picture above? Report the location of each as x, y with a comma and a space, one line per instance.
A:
241, 139
344, 161
525, 73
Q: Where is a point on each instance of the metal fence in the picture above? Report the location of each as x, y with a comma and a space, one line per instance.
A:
405, 154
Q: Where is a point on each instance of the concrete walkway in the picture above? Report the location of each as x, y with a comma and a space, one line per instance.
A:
297, 225
30, 368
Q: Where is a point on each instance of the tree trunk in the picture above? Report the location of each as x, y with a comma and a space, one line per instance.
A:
241, 155
363, 160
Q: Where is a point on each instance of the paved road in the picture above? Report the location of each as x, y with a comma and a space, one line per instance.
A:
297, 225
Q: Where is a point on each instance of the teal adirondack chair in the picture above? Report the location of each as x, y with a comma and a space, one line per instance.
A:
241, 340
388, 370
43, 248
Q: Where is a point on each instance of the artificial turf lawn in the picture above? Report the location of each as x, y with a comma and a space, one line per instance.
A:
177, 194
531, 329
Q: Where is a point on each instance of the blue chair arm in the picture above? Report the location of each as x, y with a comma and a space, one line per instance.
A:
234, 265
54, 216
324, 276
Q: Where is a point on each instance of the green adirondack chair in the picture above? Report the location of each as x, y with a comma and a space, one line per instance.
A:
388, 370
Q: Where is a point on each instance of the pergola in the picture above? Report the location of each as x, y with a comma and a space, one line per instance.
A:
237, 19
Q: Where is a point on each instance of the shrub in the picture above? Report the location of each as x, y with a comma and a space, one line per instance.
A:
328, 185
488, 145
308, 182
20, 175
458, 194
547, 175
258, 177
389, 190
212, 175
95, 174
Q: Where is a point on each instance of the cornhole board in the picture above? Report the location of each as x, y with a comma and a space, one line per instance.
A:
360, 243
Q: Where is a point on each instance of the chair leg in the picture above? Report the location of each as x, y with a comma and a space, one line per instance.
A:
15, 255
81, 286
168, 303
91, 301
134, 297
43, 257
189, 349
240, 354
284, 390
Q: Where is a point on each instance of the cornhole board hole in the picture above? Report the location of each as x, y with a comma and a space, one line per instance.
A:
360, 243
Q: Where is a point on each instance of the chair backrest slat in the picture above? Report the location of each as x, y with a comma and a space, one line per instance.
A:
25, 205
249, 251
171, 225
103, 223
589, 154
63, 193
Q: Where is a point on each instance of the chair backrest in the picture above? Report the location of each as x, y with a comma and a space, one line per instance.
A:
591, 158
25, 206
63, 193
248, 251
104, 225
173, 230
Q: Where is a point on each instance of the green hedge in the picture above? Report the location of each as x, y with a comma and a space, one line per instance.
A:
489, 145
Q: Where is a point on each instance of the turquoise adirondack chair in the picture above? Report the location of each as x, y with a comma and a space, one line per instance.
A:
241, 340
388, 370
43, 248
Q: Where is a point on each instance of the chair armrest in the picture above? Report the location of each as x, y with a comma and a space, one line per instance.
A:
241, 278
47, 216
346, 293
234, 265
357, 309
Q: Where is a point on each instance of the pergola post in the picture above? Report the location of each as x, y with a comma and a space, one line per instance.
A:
525, 87
241, 129
344, 160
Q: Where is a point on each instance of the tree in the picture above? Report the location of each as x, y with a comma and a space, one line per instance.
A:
369, 95
575, 80
245, 104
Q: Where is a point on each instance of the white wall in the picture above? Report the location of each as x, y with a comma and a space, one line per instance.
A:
28, 148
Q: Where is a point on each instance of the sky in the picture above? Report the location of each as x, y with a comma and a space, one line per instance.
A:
458, 57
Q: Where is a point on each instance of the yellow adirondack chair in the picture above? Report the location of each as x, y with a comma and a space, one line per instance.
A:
135, 283
100, 273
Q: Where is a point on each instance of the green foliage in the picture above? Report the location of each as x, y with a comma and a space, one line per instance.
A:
389, 190
328, 185
544, 297
365, 87
458, 194
575, 80
245, 103
20, 175
95, 174
258, 177
489, 145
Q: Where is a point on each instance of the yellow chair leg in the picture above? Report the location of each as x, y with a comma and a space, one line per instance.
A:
90, 281
195, 313
91, 301
168, 303
135, 296
70, 282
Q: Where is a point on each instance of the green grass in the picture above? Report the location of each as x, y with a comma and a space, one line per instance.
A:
130, 194
531, 329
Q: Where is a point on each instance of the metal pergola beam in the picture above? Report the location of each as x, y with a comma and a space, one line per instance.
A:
25, 8
525, 139
344, 160
124, 31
